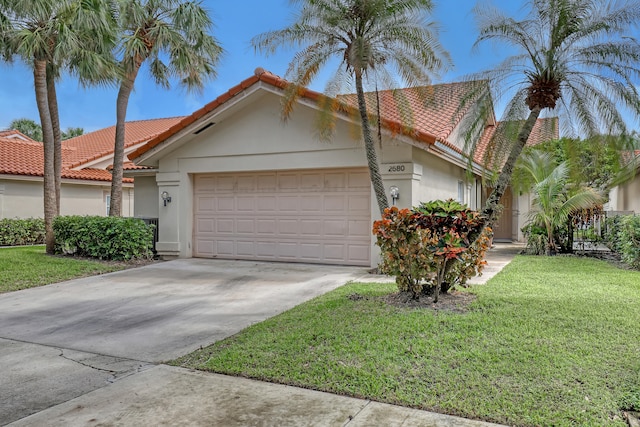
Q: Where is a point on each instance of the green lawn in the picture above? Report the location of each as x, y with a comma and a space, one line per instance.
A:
29, 266
549, 341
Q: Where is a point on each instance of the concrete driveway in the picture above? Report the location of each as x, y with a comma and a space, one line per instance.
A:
62, 341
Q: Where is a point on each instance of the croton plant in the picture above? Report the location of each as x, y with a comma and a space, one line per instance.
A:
427, 248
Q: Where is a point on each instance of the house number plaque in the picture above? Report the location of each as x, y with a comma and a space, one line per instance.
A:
397, 168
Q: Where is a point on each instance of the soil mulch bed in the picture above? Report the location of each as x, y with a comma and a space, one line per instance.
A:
453, 301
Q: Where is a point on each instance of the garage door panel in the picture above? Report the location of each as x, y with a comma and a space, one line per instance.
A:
266, 204
246, 183
310, 204
360, 204
310, 251
306, 216
288, 181
226, 204
335, 228
267, 182
311, 228
224, 225
226, 247
359, 253
224, 184
359, 180
245, 226
205, 204
266, 227
288, 250
246, 204
289, 227
205, 226
205, 247
336, 204
359, 229
244, 249
335, 180
334, 252
311, 181
288, 204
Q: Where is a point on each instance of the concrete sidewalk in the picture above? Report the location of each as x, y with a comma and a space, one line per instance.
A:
498, 257
164, 395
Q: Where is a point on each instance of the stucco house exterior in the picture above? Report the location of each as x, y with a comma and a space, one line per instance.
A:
233, 180
626, 197
86, 181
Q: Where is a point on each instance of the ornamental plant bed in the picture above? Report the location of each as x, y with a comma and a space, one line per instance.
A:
453, 301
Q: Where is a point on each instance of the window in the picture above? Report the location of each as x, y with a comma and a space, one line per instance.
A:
461, 191
107, 199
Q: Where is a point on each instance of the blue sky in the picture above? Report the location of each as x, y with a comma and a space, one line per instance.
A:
236, 23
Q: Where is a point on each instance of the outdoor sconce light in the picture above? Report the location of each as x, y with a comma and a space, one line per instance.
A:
166, 198
395, 193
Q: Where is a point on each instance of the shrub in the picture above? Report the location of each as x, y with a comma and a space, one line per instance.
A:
108, 238
16, 232
537, 239
405, 250
629, 240
427, 249
613, 226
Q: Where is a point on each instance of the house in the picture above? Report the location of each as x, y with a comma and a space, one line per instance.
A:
626, 196
86, 182
515, 207
233, 181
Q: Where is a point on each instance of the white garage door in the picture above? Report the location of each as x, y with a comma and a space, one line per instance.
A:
316, 216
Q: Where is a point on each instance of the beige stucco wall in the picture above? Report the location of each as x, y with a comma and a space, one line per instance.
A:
23, 198
147, 202
254, 138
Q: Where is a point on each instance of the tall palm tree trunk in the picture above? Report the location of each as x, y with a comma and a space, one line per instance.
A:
52, 100
40, 84
491, 210
126, 87
370, 148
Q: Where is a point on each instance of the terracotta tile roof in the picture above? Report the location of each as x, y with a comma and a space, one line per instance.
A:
19, 157
128, 166
24, 158
434, 123
428, 113
543, 130
94, 145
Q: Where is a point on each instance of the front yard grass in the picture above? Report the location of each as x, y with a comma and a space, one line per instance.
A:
29, 266
549, 341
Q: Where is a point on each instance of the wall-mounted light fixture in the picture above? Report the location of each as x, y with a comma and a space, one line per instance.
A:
395, 193
166, 198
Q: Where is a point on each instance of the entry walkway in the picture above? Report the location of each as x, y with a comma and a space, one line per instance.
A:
498, 257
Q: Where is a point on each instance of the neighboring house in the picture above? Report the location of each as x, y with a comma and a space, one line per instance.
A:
234, 181
626, 197
515, 207
86, 182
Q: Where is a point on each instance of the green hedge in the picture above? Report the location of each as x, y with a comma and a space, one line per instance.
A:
623, 236
107, 238
16, 232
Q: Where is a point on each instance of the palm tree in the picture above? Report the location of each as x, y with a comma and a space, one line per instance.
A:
366, 36
554, 199
573, 60
51, 35
175, 31
28, 127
